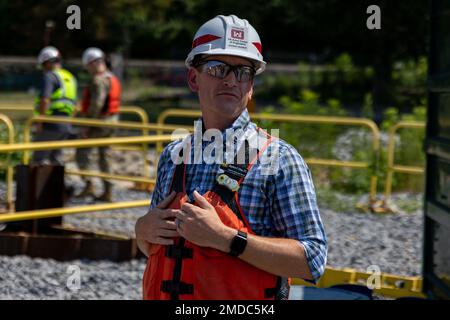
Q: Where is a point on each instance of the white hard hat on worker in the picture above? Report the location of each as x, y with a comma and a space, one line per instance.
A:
92, 54
228, 35
48, 54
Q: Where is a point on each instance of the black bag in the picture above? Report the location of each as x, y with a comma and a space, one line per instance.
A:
38, 187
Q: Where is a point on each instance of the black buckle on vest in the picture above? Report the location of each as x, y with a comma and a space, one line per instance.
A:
174, 252
170, 286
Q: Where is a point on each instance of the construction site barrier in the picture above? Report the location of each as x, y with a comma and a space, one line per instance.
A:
98, 123
389, 285
391, 166
135, 110
9, 169
57, 212
80, 143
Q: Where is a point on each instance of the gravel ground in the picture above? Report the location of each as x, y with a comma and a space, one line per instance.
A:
357, 240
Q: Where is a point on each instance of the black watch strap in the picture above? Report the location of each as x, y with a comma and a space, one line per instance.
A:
238, 244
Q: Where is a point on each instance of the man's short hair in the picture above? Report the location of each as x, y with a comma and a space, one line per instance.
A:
197, 59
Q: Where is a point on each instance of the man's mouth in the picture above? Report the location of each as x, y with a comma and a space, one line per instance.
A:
228, 94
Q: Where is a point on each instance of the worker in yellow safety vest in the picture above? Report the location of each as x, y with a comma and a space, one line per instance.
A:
57, 97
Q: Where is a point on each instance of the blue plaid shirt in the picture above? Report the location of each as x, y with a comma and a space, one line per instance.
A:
275, 205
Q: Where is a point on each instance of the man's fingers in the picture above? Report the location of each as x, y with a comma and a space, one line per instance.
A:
188, 209
168, 224
168, 213
164, 241
167, 233
180, 215
163, 204
202, 202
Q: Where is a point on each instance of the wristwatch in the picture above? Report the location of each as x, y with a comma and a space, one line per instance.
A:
238, 244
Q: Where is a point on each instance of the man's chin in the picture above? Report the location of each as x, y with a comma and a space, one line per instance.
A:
229, 109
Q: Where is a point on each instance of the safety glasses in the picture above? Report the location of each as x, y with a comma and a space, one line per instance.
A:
220, 70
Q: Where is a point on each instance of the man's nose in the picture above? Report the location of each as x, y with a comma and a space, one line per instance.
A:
230, 79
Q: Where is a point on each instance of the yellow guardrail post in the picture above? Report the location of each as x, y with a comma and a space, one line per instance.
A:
309, 119
9, 169
144, 120
391, 167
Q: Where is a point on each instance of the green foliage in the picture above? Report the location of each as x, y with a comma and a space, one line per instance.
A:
308, 104
409, 147
13, 158
331, 199
367, 108
350, 84
349, 143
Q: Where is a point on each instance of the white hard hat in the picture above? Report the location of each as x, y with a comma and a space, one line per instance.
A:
48, 53
228, 35
91, 54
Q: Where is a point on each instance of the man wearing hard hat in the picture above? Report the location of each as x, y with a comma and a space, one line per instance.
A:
57, 97
233, 229
101, 100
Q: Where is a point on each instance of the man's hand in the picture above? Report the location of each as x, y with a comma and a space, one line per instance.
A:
157, 225
201, 225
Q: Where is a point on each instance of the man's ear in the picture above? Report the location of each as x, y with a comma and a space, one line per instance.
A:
192, 79
250, 93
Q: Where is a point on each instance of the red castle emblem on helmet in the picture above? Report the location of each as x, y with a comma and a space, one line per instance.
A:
237, 34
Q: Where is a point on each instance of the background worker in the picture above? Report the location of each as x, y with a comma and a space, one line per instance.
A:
239, 240
57, 97
101, 100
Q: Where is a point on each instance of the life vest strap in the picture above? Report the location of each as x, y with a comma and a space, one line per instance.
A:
178, 252
270, 292
175, 287
280, 291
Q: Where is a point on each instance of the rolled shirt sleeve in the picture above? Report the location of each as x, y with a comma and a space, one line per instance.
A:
295, 210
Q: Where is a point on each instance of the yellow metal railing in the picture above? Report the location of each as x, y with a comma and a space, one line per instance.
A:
57, 212
11, 107
138, 111
9, 169
97, 123
389, 285
38, 214
391, 166
306, 119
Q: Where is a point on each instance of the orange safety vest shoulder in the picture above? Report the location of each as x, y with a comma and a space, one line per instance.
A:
185, 271
112, 102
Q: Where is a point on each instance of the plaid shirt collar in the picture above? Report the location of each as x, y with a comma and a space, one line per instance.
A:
240, 123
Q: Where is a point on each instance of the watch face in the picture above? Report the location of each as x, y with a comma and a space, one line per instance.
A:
238, 244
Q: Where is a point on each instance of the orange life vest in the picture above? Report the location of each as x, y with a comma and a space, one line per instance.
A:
112, 102
186, 271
